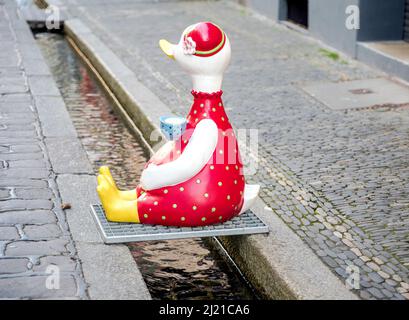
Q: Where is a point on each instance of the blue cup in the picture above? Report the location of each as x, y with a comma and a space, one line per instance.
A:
172, 127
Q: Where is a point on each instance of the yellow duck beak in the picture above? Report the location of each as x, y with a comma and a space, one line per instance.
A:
167, 48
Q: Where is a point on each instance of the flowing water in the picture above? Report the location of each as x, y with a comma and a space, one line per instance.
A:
177, 269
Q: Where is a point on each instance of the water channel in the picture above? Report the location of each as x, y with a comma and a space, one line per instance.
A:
177, 269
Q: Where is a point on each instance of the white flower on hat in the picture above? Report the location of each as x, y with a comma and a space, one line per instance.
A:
189, 46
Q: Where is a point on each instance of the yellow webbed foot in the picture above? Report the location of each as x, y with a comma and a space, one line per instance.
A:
116, 209
123, 194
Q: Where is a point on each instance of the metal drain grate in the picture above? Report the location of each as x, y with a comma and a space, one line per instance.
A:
112, 232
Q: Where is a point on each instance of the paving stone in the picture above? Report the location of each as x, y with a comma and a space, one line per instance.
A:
10, 266
18, 204
376, 293
34, 193
24, 248
22, 182
27, 164
64, 263
375, 277
35, 287
8, 233
45, 231
4, 193
27, 217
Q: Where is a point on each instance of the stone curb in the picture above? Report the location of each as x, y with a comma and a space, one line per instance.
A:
109, 272
280, 265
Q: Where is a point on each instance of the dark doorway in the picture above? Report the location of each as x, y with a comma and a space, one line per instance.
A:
297, 12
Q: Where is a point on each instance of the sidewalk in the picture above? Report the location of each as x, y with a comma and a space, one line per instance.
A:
47, 252
338, 178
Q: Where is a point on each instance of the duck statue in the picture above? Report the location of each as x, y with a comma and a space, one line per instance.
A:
197, 178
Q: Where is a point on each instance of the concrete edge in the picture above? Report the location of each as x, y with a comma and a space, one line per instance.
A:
381, 60
280, 265
110, 272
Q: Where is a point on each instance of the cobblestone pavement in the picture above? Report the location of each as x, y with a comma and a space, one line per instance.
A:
339, 179
34, 236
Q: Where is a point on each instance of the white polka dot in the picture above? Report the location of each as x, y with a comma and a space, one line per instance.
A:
211, 167
213, 209
198, 181
214, 109
228, 197
174, 206
219, 183
205, 114
194, 111
222, 118
227, 167
194, 207
237, 167
220, 104
235, 181
196, 120
181, 189
221, 151
206, 195
183, 218
178, 152
201, 105
165, 191
184, 141
155, 203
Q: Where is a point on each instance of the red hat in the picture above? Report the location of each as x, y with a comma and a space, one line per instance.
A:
204, 40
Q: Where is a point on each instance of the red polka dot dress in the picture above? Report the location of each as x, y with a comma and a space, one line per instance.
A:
213, 195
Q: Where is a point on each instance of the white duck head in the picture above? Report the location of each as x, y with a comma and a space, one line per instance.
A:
203, 52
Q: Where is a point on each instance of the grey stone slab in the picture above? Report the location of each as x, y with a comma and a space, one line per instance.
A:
8, 233
54, 117
27, 217
64, 263
67, 156
23, 182
19, 204
340, 95
111, 272
27, 248
80, 191
43, 86
35, 287
33, 193
13, 265
36, 67
45, 231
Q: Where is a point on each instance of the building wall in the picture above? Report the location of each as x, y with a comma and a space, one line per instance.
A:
273, 9
327, 22
379, 20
